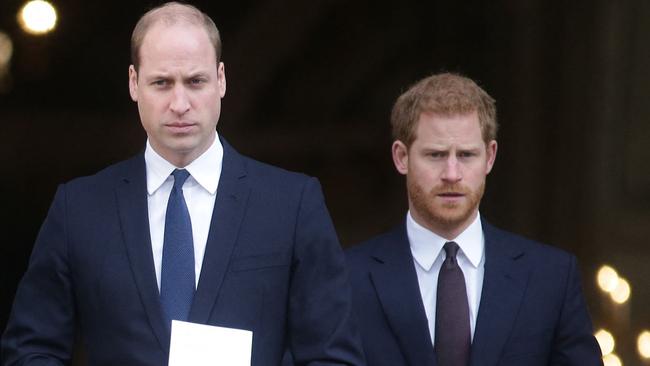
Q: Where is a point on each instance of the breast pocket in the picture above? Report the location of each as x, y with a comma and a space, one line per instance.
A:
254, 292
260, 262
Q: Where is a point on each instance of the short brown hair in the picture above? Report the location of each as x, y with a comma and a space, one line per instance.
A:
443, 94
171, 13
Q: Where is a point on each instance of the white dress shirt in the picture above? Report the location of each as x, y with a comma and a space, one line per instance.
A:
428, 255
199, 190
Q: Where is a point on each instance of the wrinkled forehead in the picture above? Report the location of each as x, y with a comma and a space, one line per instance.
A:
449, 128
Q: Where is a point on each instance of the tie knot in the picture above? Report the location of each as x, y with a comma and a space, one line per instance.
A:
180, 176
451, 249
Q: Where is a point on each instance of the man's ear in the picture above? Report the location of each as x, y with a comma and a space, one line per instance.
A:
133, 83
221, 79
491, 152
400, 157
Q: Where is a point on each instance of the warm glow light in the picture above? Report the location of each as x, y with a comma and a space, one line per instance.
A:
606, 341
607, 278
643, 344
6, 49
37, 17
622, 291
612, 360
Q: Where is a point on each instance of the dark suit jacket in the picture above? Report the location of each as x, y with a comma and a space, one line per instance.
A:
272, 265
531, 313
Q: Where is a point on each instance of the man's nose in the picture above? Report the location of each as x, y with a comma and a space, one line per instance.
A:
452, 171
180, 102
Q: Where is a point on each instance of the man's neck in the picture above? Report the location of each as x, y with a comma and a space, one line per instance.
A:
181, 159
447, 230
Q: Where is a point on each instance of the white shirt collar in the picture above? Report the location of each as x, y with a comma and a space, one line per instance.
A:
205, 170
427, 245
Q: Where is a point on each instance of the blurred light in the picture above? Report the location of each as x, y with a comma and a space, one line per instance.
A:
643, 344
606, 341
607, 278
6, 49
611, 360
37, 17
622, 291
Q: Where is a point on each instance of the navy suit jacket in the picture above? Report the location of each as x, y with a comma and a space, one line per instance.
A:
272, 265
531, 313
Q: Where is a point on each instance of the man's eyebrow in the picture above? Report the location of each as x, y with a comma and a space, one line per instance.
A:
156, 75
196, 74
469, 148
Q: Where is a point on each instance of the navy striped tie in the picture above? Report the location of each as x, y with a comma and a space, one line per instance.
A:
177, 273
453, 334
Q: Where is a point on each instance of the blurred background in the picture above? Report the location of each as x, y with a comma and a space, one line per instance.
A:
310, 88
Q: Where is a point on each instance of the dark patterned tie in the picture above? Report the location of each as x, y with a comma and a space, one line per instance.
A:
453, 337
177, 272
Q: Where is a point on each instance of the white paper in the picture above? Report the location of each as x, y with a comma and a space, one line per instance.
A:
206, 345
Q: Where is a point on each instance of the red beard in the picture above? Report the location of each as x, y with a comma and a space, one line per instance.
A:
449, 215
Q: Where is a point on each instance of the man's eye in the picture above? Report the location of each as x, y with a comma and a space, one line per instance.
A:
437, 155
465, 154
197, 81
160, 82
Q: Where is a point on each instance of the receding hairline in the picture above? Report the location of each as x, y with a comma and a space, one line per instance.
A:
170, 14
173, 13
160, 24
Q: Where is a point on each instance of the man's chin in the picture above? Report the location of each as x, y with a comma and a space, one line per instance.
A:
452, 215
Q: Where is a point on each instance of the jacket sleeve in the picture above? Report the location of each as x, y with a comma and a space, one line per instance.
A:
322, 330
40, 329
575, 343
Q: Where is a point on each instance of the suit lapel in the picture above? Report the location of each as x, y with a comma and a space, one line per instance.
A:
131, 192
396, 283
504, 284
229, 208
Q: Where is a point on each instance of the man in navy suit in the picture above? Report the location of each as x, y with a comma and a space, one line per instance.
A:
263, 253
445, 287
